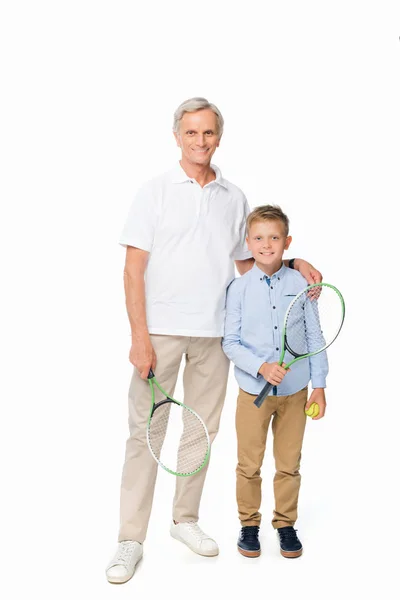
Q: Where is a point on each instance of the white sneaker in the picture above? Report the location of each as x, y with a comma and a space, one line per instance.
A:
191, 535
122, 566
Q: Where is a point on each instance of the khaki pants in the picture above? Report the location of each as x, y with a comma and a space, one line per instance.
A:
204, 381
288, 424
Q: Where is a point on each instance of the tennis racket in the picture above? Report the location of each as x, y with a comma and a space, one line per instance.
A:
312, 322
177, 437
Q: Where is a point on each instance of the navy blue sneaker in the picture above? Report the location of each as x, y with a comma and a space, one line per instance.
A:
289, 542
248, 542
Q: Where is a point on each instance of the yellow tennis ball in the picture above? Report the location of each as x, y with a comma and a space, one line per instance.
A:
313, 411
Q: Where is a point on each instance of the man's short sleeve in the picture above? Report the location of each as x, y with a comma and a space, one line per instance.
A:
241, 252
139, 226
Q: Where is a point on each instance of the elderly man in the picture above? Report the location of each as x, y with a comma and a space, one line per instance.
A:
185, 230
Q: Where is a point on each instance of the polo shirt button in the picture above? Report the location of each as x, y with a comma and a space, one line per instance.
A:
272, 287
276, 327
274, 307
277, 348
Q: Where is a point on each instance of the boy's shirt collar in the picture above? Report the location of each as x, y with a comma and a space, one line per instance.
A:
261, 275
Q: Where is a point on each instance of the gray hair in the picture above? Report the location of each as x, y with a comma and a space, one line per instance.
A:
193, 105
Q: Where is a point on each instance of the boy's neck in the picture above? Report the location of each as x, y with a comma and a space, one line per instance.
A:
270, 269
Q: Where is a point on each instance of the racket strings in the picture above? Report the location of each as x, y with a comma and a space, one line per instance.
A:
193, 446
314, 320
158, 429
182, 445
296, 329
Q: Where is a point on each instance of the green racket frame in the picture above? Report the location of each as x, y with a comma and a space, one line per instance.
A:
267, 388
153, 381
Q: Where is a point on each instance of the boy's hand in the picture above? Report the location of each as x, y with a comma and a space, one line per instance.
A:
273, 372
317, 396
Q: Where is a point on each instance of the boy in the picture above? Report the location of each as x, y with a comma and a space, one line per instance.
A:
255, 310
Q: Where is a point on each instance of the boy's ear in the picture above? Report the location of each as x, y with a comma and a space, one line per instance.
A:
288, 242
247, 242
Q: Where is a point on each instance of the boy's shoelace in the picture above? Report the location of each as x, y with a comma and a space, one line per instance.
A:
288, 533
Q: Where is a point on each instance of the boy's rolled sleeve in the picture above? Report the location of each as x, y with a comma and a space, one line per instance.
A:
319, 370
241, 356
315, 340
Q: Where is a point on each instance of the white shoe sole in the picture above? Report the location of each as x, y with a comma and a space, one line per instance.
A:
123, 579
196, 550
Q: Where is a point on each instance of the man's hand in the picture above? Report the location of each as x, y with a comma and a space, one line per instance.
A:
142, 356
273, 372
317, 396
308, 271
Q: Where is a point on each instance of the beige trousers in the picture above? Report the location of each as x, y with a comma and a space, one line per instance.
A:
204, 381
288, 425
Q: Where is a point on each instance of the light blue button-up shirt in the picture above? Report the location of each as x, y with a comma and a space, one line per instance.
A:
255, 310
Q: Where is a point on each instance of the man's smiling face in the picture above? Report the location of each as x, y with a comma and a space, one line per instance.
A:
198, 136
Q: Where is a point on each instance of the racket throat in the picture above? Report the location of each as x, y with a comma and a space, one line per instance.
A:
162, 403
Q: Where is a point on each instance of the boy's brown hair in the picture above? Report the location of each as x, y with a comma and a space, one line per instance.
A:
268, 212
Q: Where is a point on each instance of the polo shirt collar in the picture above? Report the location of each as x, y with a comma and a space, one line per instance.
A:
179, 175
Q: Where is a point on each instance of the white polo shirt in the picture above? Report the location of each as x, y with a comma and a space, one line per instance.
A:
193, 235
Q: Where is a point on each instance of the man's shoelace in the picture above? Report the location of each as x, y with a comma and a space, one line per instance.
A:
250, 532
196, 531
124, 554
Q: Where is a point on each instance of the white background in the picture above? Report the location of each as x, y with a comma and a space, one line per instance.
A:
310, 94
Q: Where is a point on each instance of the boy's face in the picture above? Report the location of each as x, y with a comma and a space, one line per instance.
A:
267, 242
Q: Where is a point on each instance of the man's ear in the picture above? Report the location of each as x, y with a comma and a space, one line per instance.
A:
288, 242
178, 139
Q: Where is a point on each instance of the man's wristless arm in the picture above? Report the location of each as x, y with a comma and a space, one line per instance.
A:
135, 292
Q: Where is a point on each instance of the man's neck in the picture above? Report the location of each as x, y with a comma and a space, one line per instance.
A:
203, 174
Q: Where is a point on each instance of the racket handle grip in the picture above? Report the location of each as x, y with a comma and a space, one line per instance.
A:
263, 394
151, 374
